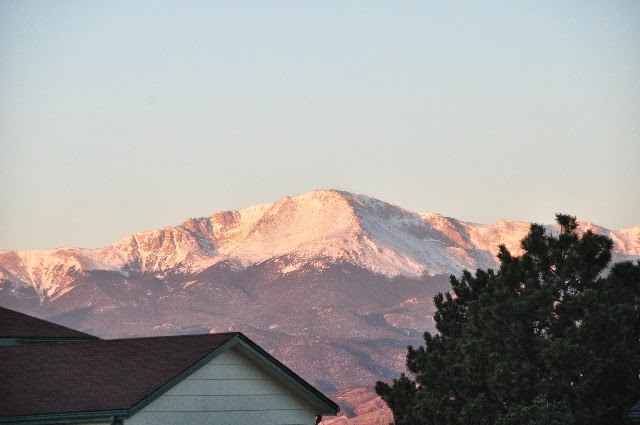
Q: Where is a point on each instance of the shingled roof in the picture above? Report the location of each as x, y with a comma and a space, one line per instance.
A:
17, 325
113, 377
102, 375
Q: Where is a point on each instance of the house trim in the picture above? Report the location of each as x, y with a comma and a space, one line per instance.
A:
175, 381
321, 401
315, 397
66, 418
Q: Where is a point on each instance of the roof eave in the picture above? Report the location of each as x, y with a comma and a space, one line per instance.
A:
65, 418
325, 405
182, 376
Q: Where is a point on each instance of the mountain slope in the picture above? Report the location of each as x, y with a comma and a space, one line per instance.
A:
321, 226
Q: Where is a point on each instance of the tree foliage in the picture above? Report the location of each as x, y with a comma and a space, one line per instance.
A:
552, 337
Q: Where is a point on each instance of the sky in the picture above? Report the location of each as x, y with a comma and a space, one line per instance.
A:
123, 116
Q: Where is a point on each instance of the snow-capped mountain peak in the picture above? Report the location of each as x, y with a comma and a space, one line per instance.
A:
323, 226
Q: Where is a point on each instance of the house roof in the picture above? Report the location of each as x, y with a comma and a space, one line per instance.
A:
114, 376
14, 324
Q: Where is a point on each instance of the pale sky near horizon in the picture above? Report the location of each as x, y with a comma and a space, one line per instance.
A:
124, 116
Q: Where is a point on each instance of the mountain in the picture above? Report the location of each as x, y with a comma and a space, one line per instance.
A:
333, 283
320, 227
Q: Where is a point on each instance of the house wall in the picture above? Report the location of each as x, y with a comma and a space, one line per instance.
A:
229, 390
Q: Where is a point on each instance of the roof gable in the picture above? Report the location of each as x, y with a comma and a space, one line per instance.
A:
265, 361
120, 376
313, 395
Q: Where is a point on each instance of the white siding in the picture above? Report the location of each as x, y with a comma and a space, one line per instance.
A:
230, 390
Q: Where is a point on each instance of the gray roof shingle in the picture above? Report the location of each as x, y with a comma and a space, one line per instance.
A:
95, 375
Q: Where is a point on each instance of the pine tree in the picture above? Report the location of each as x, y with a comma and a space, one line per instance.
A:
552, 337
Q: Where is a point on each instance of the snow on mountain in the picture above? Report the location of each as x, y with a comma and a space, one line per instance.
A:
164, 249
49, 272
314, 228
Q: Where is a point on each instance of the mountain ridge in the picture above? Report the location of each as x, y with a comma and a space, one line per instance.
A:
327, 224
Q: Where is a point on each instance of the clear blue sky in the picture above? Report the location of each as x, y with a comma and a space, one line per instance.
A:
123, 116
